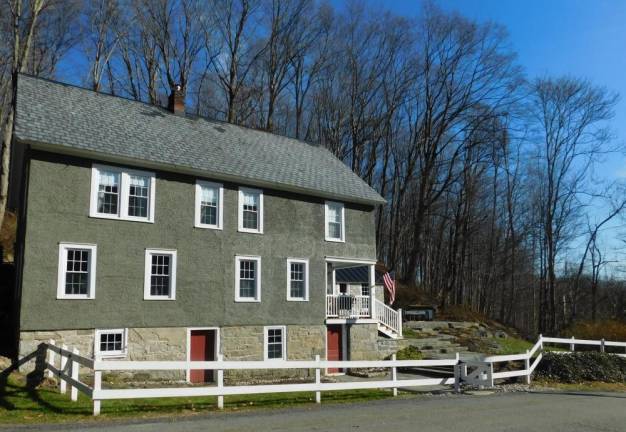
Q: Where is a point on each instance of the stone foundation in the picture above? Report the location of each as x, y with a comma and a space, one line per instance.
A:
236, 343
363, 342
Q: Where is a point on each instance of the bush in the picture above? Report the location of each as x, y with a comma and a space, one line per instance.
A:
409, 353
582, 366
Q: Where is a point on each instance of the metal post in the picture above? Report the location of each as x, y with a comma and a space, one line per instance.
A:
220, 382
572, 345
97, 386
74, 374
51, 356
490, 375
394, 374
62, 382
318, 380
527, 365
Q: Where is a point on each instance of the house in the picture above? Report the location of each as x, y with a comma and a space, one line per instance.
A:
149, 234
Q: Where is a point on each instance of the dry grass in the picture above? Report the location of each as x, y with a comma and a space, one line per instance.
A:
608, 329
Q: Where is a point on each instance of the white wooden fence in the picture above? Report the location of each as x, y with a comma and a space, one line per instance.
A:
65, 364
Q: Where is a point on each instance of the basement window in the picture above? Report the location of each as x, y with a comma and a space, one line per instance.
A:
275, 344
111, 343
121, 193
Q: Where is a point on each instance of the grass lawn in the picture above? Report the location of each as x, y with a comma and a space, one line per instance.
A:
44, 404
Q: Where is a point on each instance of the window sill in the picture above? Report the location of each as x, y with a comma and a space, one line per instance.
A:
160, 298
111, 356
67, 297
127, 219
300, 300
249, 231
210, 227
334, 240
247, 300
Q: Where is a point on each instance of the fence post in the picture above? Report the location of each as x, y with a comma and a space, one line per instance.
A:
394, 374
400, 323
74, 374
541, 341
51, 356
490, 375
572, 345
220, 382
97, 386
62, 382
457, 374
527, 366
318, 380
602, 345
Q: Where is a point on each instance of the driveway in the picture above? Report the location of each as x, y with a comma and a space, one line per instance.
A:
526, 412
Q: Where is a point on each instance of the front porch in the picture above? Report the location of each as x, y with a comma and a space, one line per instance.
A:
361, 300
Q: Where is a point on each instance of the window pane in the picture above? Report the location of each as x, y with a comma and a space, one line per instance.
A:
365, 289
274, 344
111, 342
108, 192
334, 230
209, 198
251, 210
297, 273
77, 272
160, 275
138, 196
247, 279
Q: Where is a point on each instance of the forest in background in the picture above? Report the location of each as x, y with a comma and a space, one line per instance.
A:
492, 199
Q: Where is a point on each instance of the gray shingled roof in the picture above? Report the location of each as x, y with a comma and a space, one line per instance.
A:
69, 119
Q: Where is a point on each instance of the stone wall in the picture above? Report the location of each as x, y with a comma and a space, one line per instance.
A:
363, 342
236, 343
246, 343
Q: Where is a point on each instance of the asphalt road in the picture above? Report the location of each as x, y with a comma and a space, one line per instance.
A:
528, 412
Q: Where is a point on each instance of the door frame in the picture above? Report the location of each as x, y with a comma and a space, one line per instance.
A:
217, 346
344, 347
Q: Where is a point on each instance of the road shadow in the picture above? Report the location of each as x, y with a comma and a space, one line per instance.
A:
615, 395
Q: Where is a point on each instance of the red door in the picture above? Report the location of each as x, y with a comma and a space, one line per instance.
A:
202, 348
334, 346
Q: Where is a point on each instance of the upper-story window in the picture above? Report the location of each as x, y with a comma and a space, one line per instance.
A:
120, 193
248, 279
160, 275
209, 205
250, 210
77, 271
297, 279
335, 221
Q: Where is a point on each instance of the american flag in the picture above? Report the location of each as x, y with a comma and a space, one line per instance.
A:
390, 285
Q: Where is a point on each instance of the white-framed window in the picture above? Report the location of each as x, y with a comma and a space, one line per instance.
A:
250, 210
335, 221
365, 289
160, 275
122, 193
275, 343
247, 278
111, 343
77, 271
297, 279
209, 205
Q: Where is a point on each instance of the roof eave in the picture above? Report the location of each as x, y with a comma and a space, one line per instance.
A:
107, 157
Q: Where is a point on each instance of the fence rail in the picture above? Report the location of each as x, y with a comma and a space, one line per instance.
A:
65, 364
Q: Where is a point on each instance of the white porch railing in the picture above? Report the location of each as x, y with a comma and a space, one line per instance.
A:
389, 317
348, 306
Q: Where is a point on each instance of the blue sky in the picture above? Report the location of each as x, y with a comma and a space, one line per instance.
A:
582, 38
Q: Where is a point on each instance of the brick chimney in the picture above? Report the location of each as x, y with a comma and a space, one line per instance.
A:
176, 102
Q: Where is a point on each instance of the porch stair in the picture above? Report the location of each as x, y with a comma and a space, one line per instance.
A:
389, 321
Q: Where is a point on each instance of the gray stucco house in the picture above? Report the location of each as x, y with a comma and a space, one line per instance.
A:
149, 234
